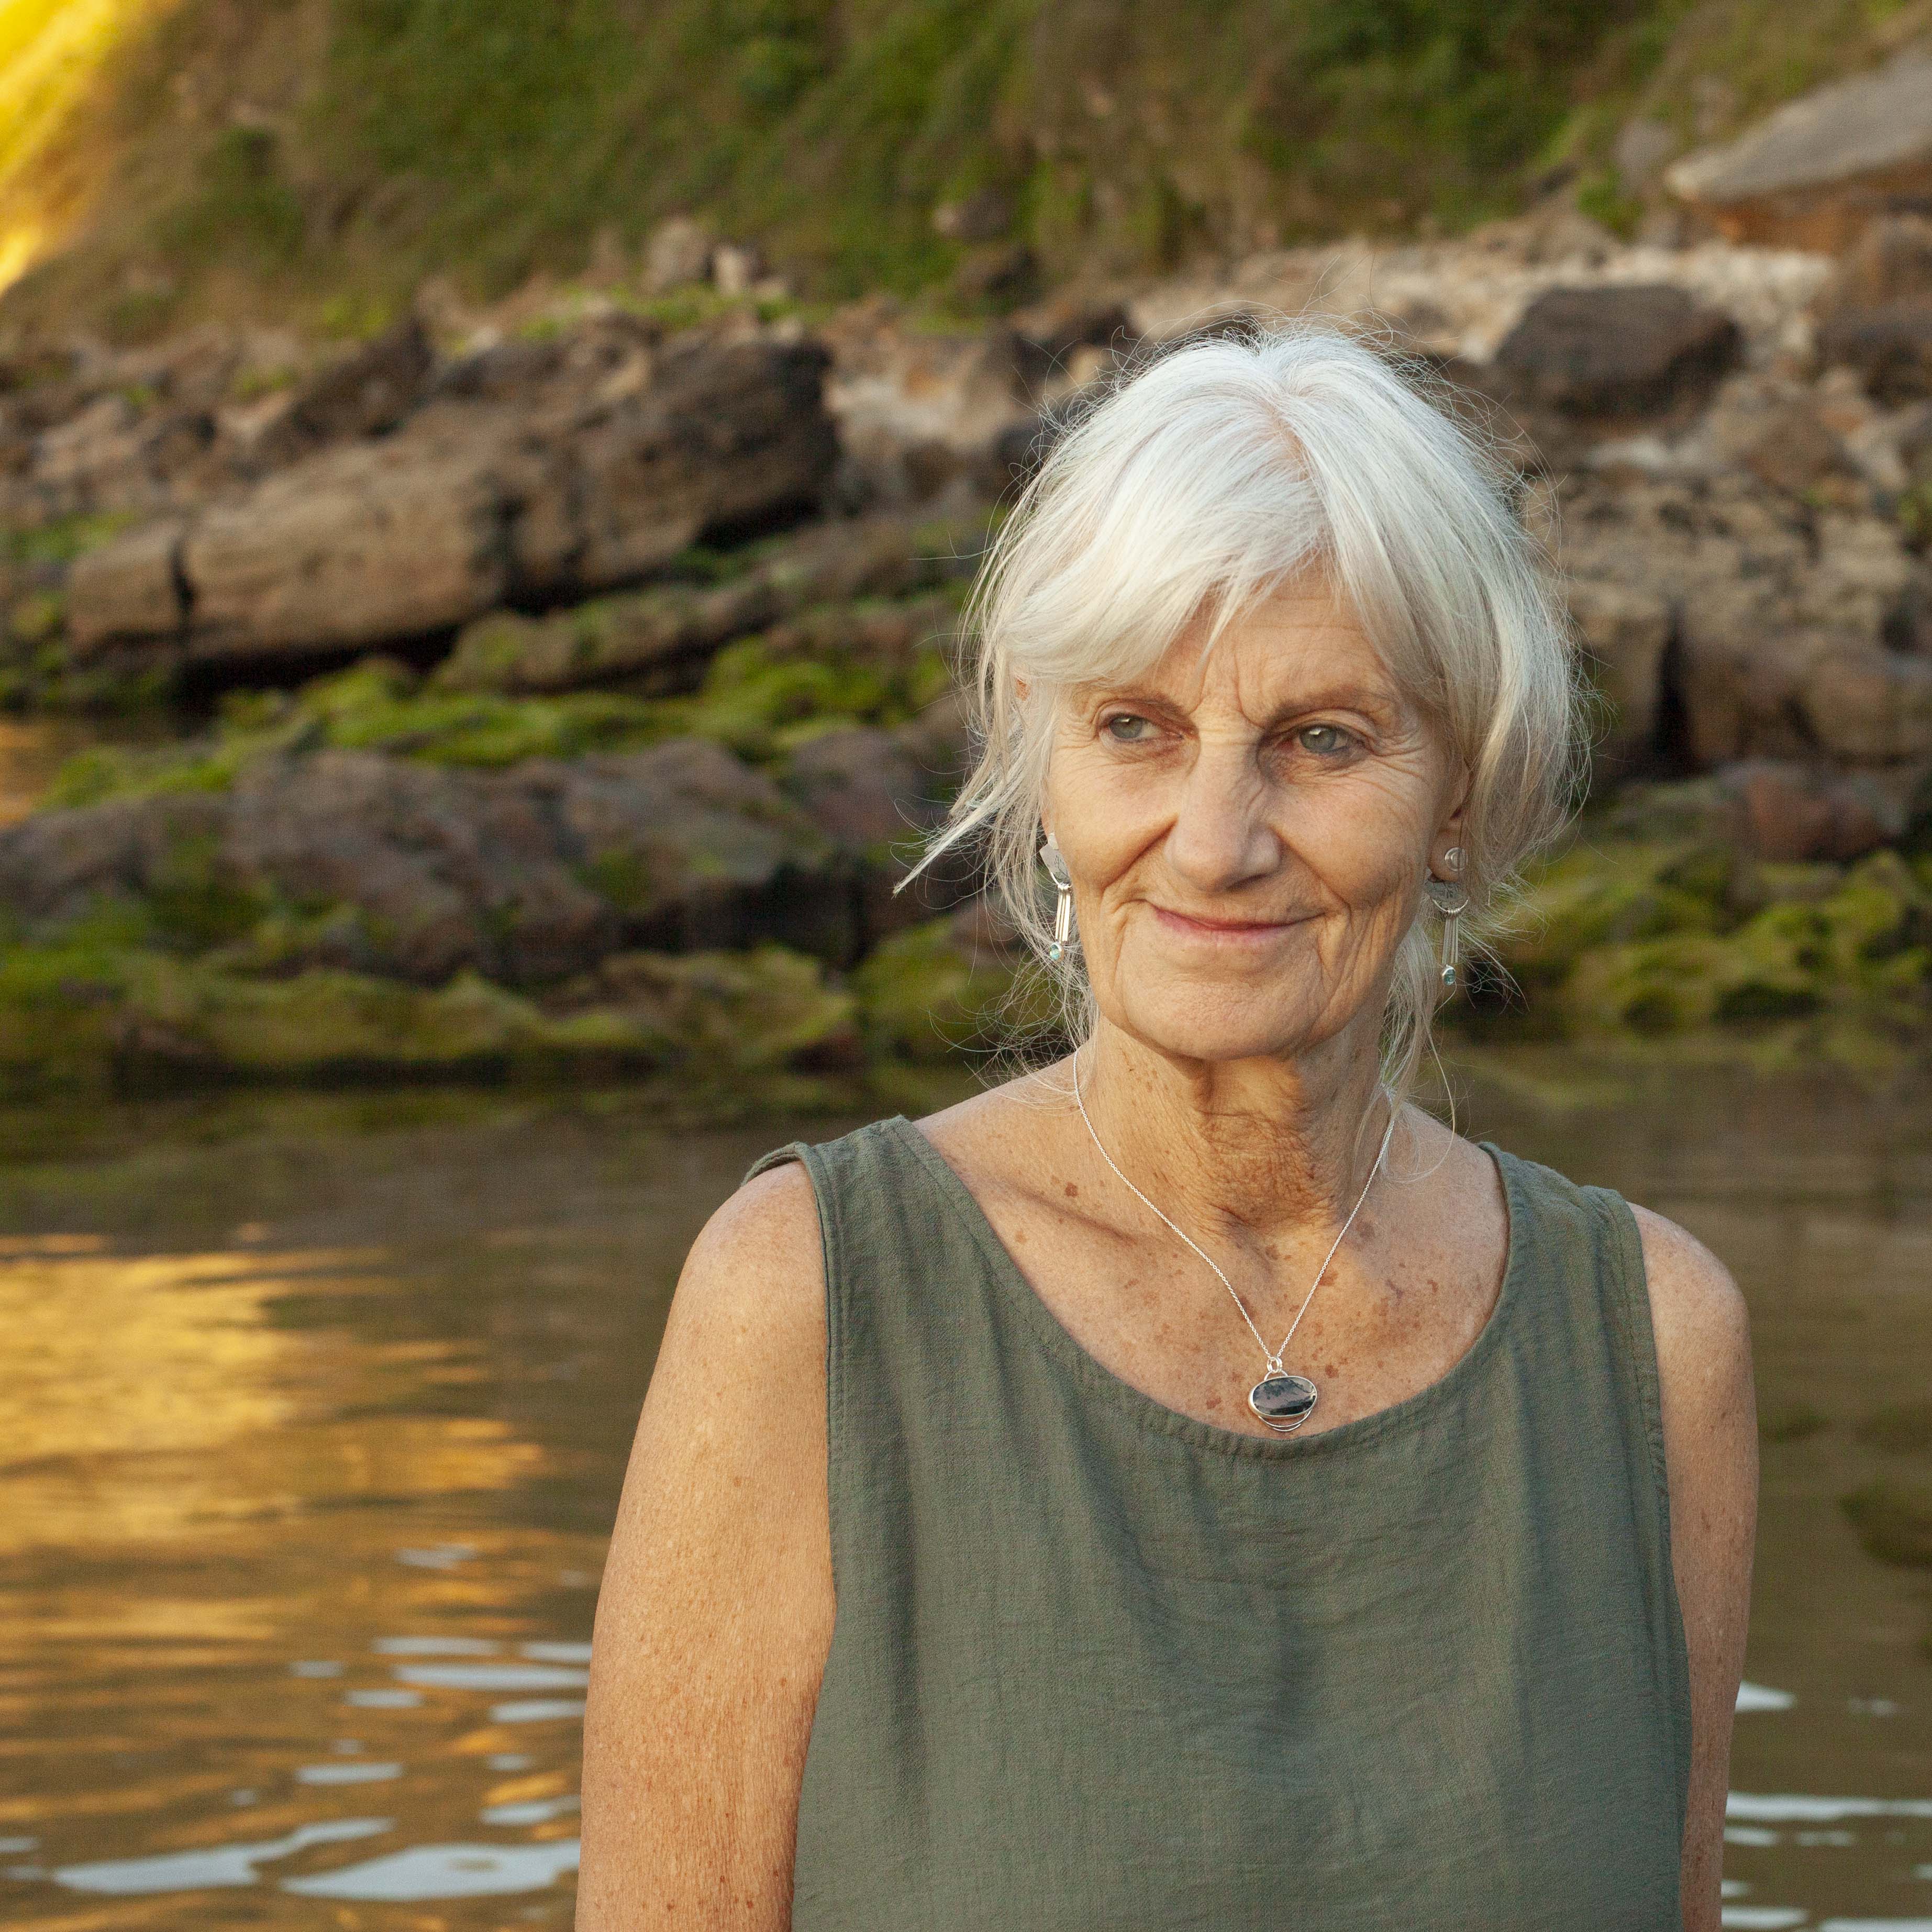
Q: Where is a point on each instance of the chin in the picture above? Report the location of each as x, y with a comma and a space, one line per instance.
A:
1200, 1025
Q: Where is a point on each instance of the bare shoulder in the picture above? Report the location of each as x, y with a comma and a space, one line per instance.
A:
756, 1264
1697, 1312
752, 1296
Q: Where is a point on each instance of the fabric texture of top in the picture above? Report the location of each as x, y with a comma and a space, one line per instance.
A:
1097, 1664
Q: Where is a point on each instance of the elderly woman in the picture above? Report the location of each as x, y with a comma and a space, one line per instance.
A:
1189, 1486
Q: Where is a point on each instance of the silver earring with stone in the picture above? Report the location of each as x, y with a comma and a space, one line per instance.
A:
1063, 913
1450, 901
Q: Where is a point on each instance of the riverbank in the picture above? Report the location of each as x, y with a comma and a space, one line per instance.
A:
563, 700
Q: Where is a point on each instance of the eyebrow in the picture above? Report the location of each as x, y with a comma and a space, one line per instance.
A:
1372, 701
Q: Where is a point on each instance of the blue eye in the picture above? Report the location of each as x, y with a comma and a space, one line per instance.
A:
1323, 740
1127, 729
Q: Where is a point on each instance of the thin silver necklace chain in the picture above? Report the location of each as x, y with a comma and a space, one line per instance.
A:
1272, 1356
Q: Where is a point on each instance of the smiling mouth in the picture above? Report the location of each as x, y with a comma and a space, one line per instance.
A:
1201, 926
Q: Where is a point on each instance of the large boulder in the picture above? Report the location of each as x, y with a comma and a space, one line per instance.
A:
1792, 813
1812, 174
652, 632
362, 862
360, 545
1793, 633
1624, 629
586, 479
369, 391
1888, 344
872, 795
133, 588
1615, 351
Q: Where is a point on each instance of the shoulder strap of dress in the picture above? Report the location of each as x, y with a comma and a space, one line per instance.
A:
1580, 1247
1586, 1239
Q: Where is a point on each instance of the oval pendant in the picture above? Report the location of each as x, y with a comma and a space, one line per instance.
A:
1283, 1403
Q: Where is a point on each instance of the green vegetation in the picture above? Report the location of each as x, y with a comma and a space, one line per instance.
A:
763, 704
100, 1007
84, 1014
926, 998
1675, 939
341, 150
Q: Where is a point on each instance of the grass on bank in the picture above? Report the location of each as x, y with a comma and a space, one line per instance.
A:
319, 158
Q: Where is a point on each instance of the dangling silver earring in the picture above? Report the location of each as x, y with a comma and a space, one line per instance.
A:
1451, 902
1063, 913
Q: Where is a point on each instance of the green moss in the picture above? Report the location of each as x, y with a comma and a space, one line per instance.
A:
720, 1015
1602, 894
1652, 939
924, 997
195, 903
64, 538
1894, 1521
114, 771
762, 704
96, 1010
622, 878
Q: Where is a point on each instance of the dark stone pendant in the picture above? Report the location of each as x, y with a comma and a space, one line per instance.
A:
1283, 1403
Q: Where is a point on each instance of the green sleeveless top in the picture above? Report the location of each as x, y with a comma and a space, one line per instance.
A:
1096, 1664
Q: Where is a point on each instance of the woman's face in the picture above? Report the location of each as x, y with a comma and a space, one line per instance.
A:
1247, 830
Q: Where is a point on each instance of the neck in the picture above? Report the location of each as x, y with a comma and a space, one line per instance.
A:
1249, 1148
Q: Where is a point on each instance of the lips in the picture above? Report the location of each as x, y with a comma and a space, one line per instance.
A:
1204, 926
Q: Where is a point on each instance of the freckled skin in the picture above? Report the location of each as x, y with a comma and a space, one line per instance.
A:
1247, 830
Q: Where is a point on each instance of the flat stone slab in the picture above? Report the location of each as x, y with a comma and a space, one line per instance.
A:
1870, 125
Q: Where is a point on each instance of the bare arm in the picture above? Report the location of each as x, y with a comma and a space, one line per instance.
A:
1710, 1444
715, 1614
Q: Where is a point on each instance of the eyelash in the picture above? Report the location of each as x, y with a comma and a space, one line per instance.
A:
1348, 740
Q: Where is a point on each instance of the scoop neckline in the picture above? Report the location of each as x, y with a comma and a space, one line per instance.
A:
1151, 1413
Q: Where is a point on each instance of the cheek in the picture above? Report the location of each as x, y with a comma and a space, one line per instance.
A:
1100, 810
1364, 841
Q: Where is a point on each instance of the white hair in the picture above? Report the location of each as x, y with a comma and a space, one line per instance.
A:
1191, 485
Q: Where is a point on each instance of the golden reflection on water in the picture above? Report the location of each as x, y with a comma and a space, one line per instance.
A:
312, 1434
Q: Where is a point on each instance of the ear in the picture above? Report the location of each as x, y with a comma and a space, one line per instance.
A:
1448, 835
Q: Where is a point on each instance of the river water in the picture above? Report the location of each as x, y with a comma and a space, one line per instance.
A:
316, 1410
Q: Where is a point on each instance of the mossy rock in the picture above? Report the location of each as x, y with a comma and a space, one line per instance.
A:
721, 1015
1596, 896
1847, 951
1894, 1521
325, 1021
926, 996
60, 1014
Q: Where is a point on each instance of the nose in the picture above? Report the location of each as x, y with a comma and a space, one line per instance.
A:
1221, 837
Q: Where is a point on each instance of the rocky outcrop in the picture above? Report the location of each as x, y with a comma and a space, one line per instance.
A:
1790, 633
1610, 352
558, 490
376, 864
658, 630
1811, 175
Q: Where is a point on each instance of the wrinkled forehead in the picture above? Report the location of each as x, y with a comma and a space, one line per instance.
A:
1302, 645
